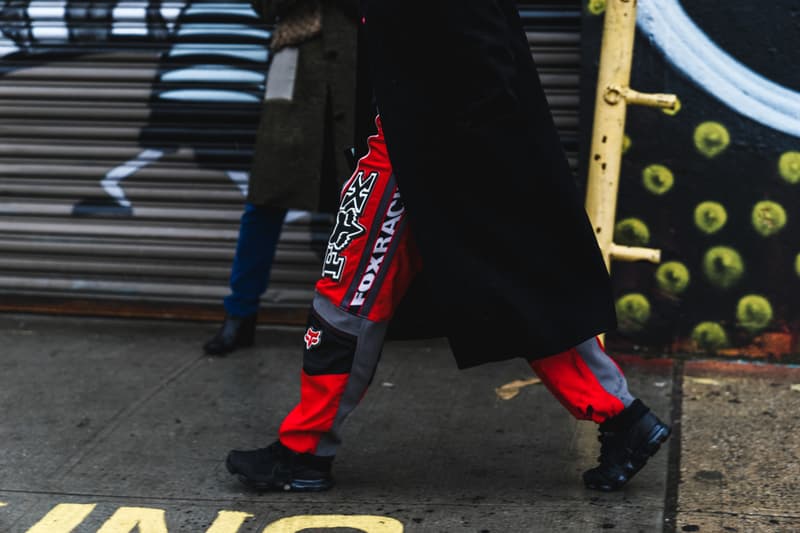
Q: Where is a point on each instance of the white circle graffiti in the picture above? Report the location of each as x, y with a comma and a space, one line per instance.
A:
692, 53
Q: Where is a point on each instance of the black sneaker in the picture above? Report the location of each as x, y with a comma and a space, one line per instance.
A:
235, 332
627, 442
276, 467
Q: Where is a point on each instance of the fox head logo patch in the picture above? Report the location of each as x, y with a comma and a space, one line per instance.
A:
312, 337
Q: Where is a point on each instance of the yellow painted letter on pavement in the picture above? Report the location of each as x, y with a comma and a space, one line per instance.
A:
366, 523
127, 519
228, 522
63, 518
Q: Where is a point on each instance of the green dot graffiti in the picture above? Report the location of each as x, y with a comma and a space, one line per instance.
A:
768, 218
658, 179
596, 7
723, 267
711, 139
631, 232
789, 167
633, 312
710, 217
673, 277
709, 336
753, 313
712, 185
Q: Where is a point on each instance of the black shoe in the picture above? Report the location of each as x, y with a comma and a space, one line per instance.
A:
235, 332
627, 442
276, 467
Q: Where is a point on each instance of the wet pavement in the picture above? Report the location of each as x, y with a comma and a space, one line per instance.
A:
116, 426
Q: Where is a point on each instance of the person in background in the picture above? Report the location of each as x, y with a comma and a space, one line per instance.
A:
466, 188
307, 123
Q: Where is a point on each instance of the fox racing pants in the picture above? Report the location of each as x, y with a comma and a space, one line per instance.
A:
369, 264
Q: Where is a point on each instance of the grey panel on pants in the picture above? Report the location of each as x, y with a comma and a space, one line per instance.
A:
369, 342
605, 370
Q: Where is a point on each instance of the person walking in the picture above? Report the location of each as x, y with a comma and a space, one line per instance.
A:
307, 123
466, 191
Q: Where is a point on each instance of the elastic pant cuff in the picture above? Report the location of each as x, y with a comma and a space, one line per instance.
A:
628, 417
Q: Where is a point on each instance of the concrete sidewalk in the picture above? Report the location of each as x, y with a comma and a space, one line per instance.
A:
110, 425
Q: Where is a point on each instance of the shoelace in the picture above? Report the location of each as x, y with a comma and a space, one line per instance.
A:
607, 448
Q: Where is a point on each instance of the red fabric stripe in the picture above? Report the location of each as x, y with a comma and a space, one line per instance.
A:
403, 268
396, 276
376, 160
315, 414
572, 382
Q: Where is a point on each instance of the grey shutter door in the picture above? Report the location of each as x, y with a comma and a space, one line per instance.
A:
126, 136
126, 133
553, 30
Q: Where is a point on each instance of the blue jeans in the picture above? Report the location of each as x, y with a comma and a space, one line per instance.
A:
259, 231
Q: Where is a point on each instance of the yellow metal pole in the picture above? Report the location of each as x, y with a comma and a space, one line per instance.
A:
608, 131
612, 98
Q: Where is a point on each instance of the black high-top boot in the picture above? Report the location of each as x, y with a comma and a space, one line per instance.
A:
276, 467
627, 441
235, 332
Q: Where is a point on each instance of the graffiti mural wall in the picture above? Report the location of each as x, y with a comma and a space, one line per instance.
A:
126, 138
715, 186
198, 54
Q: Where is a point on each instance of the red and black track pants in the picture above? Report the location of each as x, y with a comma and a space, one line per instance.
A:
369, 264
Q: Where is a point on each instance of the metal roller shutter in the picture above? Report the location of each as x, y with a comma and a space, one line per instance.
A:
126, 132
553, 30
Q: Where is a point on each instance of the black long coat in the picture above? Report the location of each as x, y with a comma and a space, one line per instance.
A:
511, 264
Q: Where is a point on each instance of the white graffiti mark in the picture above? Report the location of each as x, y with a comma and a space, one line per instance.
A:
200, 63
111, 181
54, 14
7, 46
691, 52
240, 178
